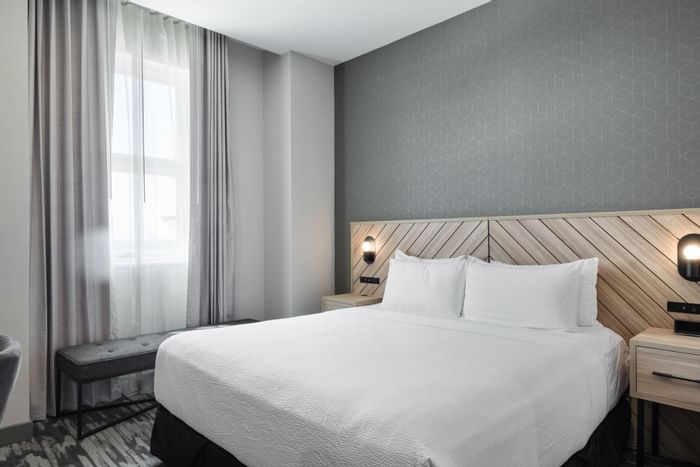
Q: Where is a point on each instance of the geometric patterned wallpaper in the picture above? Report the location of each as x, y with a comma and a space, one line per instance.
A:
523, 107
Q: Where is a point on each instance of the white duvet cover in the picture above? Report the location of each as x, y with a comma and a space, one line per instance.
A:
367, 386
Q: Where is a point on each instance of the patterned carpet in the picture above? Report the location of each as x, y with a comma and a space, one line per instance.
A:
127, 444
54, 444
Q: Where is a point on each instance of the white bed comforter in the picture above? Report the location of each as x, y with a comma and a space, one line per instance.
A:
368, 386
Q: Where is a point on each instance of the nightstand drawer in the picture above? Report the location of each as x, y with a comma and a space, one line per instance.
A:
329, 305
668, 374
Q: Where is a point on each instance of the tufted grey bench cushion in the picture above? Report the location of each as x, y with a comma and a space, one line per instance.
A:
91, 362
111, 358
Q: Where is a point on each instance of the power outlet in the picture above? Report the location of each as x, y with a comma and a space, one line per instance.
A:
679, 307
369, 280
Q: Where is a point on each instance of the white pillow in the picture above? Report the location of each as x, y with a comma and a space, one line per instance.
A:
587, 295
542, 298
401, 256
429, 288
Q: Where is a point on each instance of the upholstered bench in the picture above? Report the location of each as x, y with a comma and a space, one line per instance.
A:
94, 362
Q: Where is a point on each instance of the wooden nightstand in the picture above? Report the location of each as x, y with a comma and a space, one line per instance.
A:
348, 300
664, 369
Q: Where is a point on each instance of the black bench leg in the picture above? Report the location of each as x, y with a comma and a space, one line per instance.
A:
80, 411
57, 394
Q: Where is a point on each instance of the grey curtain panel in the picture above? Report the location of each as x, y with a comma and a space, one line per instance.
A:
71, 62
210, 278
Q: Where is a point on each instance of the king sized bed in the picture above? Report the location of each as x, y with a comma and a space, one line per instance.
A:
376, 386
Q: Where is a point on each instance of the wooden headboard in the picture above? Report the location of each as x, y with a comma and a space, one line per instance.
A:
637, 274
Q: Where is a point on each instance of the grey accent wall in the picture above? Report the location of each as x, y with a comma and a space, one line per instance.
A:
523, 107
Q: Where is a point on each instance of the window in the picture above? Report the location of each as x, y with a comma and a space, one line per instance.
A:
150, 161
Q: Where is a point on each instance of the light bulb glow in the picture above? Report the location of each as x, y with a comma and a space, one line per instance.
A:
366, 246
692, 252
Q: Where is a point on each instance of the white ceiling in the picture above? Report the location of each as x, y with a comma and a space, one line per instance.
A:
333, 31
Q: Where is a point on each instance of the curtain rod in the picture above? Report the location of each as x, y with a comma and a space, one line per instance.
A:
154, 12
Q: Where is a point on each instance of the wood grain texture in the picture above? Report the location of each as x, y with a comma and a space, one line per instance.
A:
426, 239
637, 272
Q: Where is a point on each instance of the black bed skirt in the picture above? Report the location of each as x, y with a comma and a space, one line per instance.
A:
178, 445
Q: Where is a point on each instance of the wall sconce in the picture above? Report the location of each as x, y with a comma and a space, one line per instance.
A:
689, 257
369, 250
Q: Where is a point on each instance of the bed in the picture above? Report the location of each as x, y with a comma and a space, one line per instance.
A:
372, 386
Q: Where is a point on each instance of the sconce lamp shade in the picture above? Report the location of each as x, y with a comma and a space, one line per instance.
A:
689, 257
369, 250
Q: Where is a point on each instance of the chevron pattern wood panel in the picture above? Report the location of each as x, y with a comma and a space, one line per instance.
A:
637, 274
427, 239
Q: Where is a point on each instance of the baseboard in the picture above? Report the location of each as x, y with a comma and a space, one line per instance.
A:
16, 433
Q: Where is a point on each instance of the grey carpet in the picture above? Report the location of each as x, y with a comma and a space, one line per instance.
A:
127, 444
54, 444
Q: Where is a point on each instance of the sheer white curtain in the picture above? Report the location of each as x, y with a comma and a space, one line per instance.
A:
149, 192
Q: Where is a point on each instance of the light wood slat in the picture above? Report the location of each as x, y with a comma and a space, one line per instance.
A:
511, 247
611, 321
481, 251
428, 234
442, 236
549, 240
406, 240
654, 233
663, 268
631, 292
476, 244
624, 312
497, 253
633, 268
695, 219
529, 243
384, 252
447, 250
356, 229
379, 239
678, 225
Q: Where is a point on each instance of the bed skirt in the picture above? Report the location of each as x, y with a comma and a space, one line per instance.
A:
178, 445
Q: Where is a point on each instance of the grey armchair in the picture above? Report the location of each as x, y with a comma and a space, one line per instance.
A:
10, 357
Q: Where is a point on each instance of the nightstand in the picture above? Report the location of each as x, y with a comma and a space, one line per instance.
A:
347, 300
664, 369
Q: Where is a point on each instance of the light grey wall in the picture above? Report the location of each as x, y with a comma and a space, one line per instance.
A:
298, 184
14, 195
246, 127
312, 183
277, 186
523, 106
